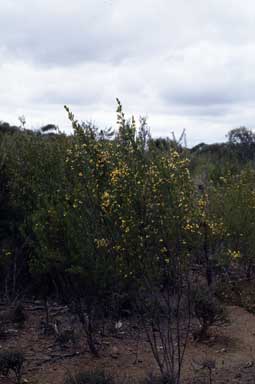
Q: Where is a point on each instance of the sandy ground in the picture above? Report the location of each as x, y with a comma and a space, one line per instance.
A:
231, 347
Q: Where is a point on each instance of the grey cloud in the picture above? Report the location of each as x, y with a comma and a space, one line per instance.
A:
202, 98
51, 33
66, 33
63, 98
186, 63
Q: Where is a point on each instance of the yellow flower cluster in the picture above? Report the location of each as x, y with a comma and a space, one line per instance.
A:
190, 227
124, 226
103, 157
101, 243
105, 200
234, 254
202, 202
117, 173
216, 228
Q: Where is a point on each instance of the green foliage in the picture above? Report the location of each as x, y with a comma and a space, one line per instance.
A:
236, 205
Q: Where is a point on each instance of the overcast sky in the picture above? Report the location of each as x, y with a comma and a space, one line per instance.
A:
185, 63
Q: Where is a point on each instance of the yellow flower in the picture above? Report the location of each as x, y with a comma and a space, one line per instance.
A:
101, 243
234, 254
105, 200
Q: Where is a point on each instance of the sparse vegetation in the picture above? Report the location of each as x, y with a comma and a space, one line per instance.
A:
11, 361
92, 377
208, 310
153, 379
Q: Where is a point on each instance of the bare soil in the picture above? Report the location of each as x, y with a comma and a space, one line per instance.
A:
127, 356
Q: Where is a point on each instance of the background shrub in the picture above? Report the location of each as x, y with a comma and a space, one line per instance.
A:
90, 377
207, 309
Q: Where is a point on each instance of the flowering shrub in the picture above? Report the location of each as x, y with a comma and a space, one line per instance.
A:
99, 215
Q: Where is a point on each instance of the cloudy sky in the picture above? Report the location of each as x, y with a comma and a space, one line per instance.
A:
185, 63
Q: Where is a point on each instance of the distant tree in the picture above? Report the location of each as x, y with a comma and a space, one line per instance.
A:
241, 135
163, 144
198, 148
7, 128
49, 127
242, 144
